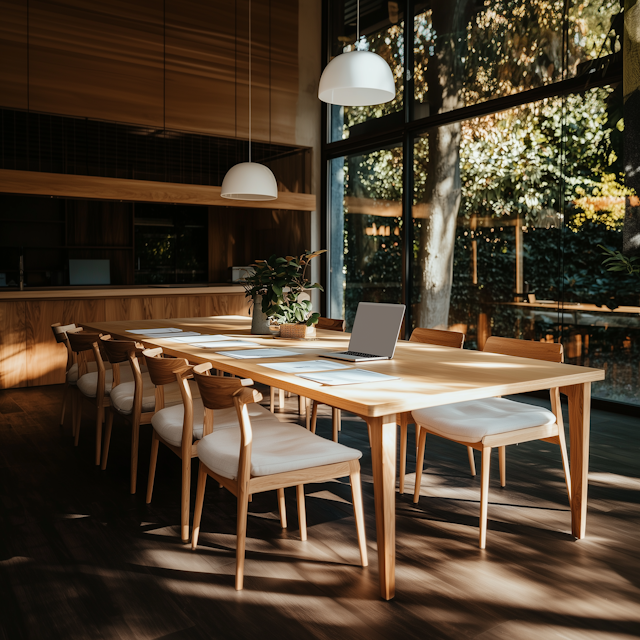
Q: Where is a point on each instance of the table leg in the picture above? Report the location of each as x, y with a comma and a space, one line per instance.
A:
579, 396
383, 458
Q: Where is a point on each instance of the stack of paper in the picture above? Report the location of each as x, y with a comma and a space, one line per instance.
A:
349, 376
222, 344
305, 366
148, 332
259, 353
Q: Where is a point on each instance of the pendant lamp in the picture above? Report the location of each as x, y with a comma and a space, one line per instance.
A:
249, 180
357, 78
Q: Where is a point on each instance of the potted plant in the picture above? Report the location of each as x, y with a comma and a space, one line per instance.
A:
276, 286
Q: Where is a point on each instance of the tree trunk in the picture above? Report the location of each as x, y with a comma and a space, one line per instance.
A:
442, 186
438, 232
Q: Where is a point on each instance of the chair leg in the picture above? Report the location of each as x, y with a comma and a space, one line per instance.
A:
152, 464
472, 461
421, 434
281, 400
484, 494
314, 416
307, 414
197, 512
65, 397
272, 399
336, 418
73, 409
99, 421
282, 509
358, 511
565, 460
241, 533
135, 442
301, 405
107, 438
502, 455
403, 452
302, 513
184, 501
77, 417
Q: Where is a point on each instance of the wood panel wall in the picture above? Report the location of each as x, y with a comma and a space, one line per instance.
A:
30, 356
183, 68
240, 236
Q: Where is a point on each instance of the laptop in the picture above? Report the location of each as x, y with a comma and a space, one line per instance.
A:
375, 333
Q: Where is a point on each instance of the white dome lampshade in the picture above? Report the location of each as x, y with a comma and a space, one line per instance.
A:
249, 181
357, 79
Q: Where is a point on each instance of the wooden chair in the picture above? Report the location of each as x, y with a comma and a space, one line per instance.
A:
178, 421
71, 369
442, 338
134, 401
497, 422
94, 386
249, 459
329, 324
95, 380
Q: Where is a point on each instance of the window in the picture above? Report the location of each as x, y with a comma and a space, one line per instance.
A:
510, 208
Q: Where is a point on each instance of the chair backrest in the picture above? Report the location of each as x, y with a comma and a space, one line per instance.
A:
81, 343
218, 392
331, 324
549, 351
60, 334
438, 337
164, 371
119, 351
221, 393
60, 331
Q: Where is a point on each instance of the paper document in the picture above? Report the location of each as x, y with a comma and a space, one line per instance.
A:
174, 337
350, 376
260, 353
305, 366
187, 336
208, 338
148, 332
222, 345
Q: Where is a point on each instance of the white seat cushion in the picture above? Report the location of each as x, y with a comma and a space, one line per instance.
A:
276, 448
168, 422
122, 395
88, 383
472, 421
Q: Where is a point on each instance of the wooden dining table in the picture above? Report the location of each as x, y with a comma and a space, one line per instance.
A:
427, 376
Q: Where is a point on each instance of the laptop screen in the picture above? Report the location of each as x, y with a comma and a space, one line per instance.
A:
376, 328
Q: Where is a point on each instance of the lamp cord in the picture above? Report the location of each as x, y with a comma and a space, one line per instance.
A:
250, 80
357, 23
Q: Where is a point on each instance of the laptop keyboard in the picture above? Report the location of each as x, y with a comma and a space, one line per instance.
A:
359, 355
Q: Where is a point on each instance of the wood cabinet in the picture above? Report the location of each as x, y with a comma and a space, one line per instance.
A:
29, 354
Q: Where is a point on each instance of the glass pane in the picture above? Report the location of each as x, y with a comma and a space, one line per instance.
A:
486, 224
497, 250
464, 57
601, 316
171, 245
381, 31
366, 231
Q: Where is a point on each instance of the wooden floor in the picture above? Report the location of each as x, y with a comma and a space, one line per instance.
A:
81, 558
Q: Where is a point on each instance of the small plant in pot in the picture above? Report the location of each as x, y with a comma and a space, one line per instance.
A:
280, 283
